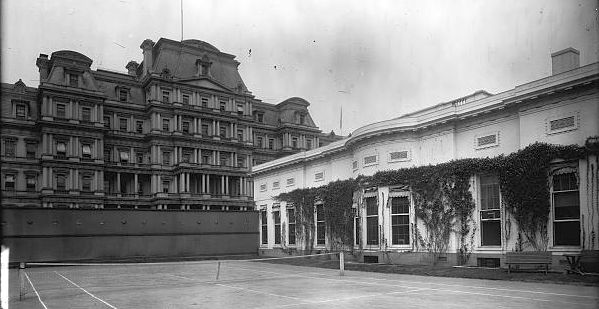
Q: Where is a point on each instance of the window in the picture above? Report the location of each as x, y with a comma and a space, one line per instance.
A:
372, 221
186, 156
86, 151
186, 99
240, 109
264, 226
206, 157
271, 143
204, 101
276, 185
562, 123
302, 119
290, 182
356, 227
398, 156
370, 160
320, 225
185, 126
165, 185
61, 110
21, 111
240, 161
566, 210
205, 129
124, 156
73, 80
240, 134
355, 165
139, 126
223, 105
294, 142
291, 226
123, 94
263, 187
9, 182
61, 182
319, 176
400, 220
86, 114
10, 147
309, 143
166, 124
30, 181
490, 215
86, 183
61, 150
224, 159
486, 141
139, 157
107, 122
277, 219
166, 96
107, 154
259, 116
31, 150
222, 131
166, 158
259, 142
123, 124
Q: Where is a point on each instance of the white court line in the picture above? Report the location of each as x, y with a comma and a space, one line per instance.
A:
465, 286
88, 293
257, 291
35, 290
437, 289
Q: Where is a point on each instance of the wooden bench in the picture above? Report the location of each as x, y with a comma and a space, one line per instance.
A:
528, 258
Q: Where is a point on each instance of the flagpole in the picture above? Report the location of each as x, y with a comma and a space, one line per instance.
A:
181, 20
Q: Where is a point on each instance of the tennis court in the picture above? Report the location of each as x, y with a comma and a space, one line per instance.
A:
263, 284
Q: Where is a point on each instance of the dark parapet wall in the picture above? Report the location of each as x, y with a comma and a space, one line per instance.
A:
41, 235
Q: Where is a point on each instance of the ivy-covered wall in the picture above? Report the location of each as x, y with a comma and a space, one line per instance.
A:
444, 196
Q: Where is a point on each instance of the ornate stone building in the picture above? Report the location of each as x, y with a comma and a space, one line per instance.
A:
178, 131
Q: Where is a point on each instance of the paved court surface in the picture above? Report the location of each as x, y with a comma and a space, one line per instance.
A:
265, 285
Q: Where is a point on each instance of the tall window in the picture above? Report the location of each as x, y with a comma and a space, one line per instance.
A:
139, 126
309, 144
186, 156
185, 127
86, 151
400, 220
223, 131
291, 226
61, 110
165, 185
107, 122
490, 215
271, 143
204, 101
107, 154
264, 226
21, 111
30, 181
185, 99
9, 182
166, 158
240, 109
205, 129
166, 124
224, 158
73, 80
277, 219
372, 221
61, 150
123, 123
320, 225
10, 148
206, 157
259, 142
240, 134
31, 150
86, 114
124, 156
166, 96
294, 142
566, 210
223, 106
86, 183
61, 182
123, 95
357, 226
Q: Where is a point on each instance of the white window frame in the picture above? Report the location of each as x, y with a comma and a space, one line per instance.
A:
552, 192
316, 244
376, 160
480, 212
401, 194
263, 225
263, 187
276, 209
289, 222
407, 158
548, 121
481, 135
276, 184
290, 182
319, 179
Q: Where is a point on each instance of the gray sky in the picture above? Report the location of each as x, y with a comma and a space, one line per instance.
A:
379, 59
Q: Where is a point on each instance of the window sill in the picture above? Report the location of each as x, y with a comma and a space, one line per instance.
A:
489, 248
565, 248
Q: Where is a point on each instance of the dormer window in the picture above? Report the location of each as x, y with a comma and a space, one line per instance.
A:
302, 118
259, 116
123, 95
73, 80
203, 65
21, 111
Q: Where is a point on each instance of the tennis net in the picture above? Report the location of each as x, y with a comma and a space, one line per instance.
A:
68, 279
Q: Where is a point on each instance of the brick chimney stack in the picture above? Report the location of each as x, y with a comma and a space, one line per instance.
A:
43, 64
147, 46
565, 60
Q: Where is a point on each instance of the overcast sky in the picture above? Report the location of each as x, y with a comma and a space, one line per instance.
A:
379, 59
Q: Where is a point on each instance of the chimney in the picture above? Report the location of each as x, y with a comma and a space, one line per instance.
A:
146, 46
132, 67
43, 63
565, 60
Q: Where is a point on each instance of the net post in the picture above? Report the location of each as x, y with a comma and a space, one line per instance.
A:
21, 280
341, 264
218, 270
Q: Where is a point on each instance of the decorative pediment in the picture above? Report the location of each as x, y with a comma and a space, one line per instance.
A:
20, 86
206, 83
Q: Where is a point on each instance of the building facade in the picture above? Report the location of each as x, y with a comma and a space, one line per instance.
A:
561, 109
180, 130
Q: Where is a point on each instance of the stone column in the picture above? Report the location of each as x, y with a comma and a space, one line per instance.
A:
118, 182
135, 183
